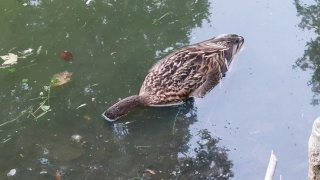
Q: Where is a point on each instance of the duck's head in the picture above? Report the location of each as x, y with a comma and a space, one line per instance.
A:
122, 108
232, 41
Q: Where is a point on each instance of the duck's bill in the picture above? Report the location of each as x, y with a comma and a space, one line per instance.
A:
106, 118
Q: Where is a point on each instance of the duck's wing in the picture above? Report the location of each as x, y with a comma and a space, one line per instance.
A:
177, 76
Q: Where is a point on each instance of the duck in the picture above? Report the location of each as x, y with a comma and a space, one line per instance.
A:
191, 71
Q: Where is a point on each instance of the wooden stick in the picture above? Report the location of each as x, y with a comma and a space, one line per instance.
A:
271, 167
314, 151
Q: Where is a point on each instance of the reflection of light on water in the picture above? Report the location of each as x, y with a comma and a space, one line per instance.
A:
88, 89
25, 86
35, 2
44, 161
45, 151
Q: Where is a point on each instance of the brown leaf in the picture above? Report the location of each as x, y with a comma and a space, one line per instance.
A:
58, 175
66, 55
62, 78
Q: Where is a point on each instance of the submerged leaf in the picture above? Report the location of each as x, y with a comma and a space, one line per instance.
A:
58, 175
24, 80
66, 55
61, 78
12, 70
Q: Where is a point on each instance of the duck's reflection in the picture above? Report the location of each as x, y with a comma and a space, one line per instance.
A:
158, 147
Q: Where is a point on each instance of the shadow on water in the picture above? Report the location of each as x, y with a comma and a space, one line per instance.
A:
111, 41
311, 58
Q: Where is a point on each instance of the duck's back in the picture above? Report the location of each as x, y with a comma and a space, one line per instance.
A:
177, 76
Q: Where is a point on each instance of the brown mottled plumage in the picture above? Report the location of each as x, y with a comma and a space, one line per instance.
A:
189, 72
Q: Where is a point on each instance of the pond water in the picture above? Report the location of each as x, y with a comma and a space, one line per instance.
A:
268, 100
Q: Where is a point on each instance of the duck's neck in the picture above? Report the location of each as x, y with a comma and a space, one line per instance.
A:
123, 107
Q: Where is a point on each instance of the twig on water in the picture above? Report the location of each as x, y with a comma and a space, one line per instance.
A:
21, 114
156, 20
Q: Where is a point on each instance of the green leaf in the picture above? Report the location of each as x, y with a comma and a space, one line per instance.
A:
12, 70
54, 80
24, 80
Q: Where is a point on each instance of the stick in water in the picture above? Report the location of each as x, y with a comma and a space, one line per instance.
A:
271, 167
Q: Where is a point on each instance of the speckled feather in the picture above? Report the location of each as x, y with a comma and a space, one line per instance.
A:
185, 72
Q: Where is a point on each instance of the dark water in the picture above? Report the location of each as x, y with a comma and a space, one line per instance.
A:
266, 102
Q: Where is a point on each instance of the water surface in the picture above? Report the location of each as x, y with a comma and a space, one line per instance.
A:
263, 104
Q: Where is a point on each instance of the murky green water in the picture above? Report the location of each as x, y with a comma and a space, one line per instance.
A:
263, 103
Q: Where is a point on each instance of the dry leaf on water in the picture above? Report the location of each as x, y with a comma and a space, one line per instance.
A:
9, 59
62, 78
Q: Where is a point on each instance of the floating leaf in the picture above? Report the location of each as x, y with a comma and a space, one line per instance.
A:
9, 59
54, 80
62, 78
24, 80
66, 55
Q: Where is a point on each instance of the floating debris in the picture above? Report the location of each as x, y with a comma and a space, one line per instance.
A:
61, 78
81, 106
39, 49
43, 172
27, 51
12, 172
76, 137
88, 2
149, 171
66, 55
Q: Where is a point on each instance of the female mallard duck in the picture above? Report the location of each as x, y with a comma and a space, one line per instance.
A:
189, 72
